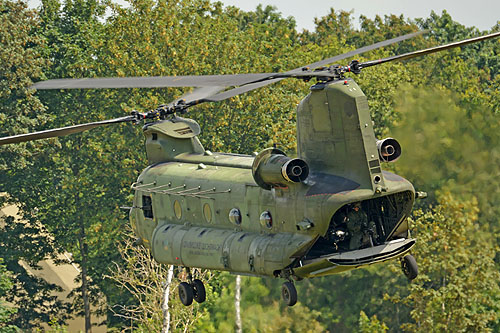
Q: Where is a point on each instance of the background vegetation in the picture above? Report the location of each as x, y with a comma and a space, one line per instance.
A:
444, 108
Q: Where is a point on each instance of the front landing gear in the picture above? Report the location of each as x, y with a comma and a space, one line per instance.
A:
409, 267
193, 289
289, 293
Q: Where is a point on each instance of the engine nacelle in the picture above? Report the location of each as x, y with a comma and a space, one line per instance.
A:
389, 149
272, 168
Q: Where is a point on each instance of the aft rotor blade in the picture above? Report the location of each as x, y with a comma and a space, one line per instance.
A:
419, 53
228, 80
275, 77
62, 131
363, 49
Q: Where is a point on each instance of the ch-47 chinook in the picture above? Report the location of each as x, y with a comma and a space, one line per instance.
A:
329, 210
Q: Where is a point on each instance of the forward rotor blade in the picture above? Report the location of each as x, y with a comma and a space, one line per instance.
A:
152, 82
240, 90
275, 77
419, 53
62, 131
199, 94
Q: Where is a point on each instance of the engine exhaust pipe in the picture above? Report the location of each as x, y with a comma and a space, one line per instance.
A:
272, 168
295, 170
389, 150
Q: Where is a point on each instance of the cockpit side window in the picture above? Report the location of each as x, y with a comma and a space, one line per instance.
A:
147, 206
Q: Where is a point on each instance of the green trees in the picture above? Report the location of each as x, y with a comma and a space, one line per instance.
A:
22, 62
457, 288
463, 154
89, 173
65, 188
5, 311
21, 111
261, 310
443, 109
145, 279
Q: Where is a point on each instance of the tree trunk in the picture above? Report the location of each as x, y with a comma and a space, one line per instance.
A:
82, 241
85, 296
166, 293
237, 299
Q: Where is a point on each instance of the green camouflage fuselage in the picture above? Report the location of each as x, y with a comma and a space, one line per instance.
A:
183, 200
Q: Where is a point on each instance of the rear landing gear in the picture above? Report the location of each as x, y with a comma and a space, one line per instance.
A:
186, 293
409, 267
289, 293
193, 289
199, 291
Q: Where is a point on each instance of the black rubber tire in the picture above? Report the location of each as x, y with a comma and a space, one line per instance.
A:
185, 293
409, 267
289, 293
199, 291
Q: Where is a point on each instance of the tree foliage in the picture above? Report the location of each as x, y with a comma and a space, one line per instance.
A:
144, 279
450, 149
6, 311
368, 325
457, 288
443, 108
260, 309
20, 112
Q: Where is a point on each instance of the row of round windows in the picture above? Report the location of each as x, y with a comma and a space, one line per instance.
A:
266, 219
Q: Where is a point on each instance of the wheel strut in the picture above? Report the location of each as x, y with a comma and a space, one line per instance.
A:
189, 276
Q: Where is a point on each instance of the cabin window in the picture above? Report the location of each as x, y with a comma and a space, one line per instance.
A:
147, 206
266, 219
207, 213
235, 216
177, 210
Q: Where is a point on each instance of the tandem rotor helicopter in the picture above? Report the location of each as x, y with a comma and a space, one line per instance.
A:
329, 210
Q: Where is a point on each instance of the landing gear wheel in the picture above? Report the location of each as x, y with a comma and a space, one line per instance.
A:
289, 293
409, 267
199, 291
185, 293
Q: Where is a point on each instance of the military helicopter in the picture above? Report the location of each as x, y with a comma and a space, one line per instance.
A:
330, 210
